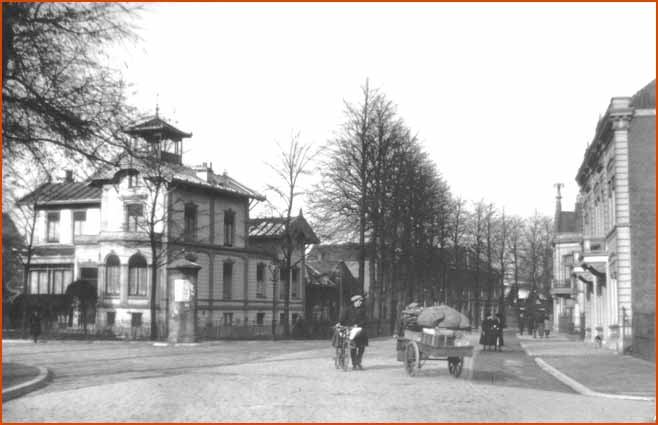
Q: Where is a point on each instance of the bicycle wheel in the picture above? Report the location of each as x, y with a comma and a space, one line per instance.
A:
337, 358
344, 362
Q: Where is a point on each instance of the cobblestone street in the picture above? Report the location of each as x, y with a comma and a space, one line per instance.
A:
292, 381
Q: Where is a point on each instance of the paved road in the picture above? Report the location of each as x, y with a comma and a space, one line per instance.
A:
291, 382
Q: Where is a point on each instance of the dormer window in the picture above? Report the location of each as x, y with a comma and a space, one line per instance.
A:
229, 227
133, 180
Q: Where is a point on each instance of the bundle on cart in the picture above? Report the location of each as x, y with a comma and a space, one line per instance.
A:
436, 326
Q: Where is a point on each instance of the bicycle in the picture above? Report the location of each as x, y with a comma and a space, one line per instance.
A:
342, 344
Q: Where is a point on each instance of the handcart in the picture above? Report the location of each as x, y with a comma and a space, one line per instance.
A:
415, 348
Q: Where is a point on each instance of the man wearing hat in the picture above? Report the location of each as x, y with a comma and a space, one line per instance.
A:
355, 316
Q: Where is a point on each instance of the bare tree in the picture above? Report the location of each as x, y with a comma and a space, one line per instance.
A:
293, 163
515, 243
476, 229
502, 253
346, 173
26, 215
57, 92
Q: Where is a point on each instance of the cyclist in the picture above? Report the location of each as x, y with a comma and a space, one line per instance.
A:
355, 316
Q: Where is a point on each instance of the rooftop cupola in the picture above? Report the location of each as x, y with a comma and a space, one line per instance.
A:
161, 138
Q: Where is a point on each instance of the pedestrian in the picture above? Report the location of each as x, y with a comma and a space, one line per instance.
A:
355, 316
531, 325
298, 328
35, 325
521, 322
487, 337
539, 320
499, 331
547, 325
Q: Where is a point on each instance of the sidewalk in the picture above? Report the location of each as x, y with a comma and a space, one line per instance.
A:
19, 379
592, 371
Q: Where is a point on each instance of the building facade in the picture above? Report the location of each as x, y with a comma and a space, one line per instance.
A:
613, 269
147, 211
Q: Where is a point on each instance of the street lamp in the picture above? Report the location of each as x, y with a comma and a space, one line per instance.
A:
274, 270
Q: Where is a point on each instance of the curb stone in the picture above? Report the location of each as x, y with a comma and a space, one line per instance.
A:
40, 381
577, 386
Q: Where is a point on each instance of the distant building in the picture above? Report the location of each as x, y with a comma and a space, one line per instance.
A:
441, 279
567, 291
613, 280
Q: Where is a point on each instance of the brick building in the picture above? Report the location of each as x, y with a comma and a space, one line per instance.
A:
613, 280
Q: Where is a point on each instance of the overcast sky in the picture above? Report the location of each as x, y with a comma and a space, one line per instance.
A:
504, 97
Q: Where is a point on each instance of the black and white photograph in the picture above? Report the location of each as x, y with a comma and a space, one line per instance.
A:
328, 212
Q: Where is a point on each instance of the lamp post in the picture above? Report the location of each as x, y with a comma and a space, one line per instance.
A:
274, 269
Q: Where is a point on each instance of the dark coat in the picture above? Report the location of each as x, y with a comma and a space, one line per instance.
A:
356, 316
35, 325
488, 336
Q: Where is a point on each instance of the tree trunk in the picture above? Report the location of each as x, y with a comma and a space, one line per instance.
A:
154, 286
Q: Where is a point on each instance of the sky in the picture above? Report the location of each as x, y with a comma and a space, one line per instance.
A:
504, 97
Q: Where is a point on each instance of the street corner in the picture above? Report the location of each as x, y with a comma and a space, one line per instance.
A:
22, 379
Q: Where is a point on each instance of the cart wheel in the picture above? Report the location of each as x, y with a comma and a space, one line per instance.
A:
412, 358
455, 366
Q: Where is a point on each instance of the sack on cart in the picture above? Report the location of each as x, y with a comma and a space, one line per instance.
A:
442, 316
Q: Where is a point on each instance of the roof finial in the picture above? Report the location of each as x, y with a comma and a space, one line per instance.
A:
558, 186
157, 105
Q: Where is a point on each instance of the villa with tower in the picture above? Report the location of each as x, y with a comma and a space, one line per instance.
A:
143, 213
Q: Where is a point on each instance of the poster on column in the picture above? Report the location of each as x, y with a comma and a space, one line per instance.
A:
182, 290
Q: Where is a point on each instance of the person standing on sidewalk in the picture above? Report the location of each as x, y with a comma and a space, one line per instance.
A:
35, 325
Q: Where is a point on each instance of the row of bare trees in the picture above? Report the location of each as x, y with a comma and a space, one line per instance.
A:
379, 187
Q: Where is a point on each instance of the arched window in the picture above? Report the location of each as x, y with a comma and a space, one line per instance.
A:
137, 276
112, 275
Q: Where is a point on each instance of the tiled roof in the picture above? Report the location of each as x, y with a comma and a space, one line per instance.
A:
315, 276
274, 227
336, 252
177, 172
567, 222
63, 192
645, 98
156, 124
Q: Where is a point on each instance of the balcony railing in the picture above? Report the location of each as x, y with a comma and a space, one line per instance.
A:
562, 287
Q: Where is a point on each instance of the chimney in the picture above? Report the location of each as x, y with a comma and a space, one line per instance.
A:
69, 176
204, 172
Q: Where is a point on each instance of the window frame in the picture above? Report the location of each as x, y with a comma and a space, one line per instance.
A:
190, 221
137, 288
83, 227
260, 280
137, 219
227, 289
52, 230
294, 283
108, 268
229, 227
